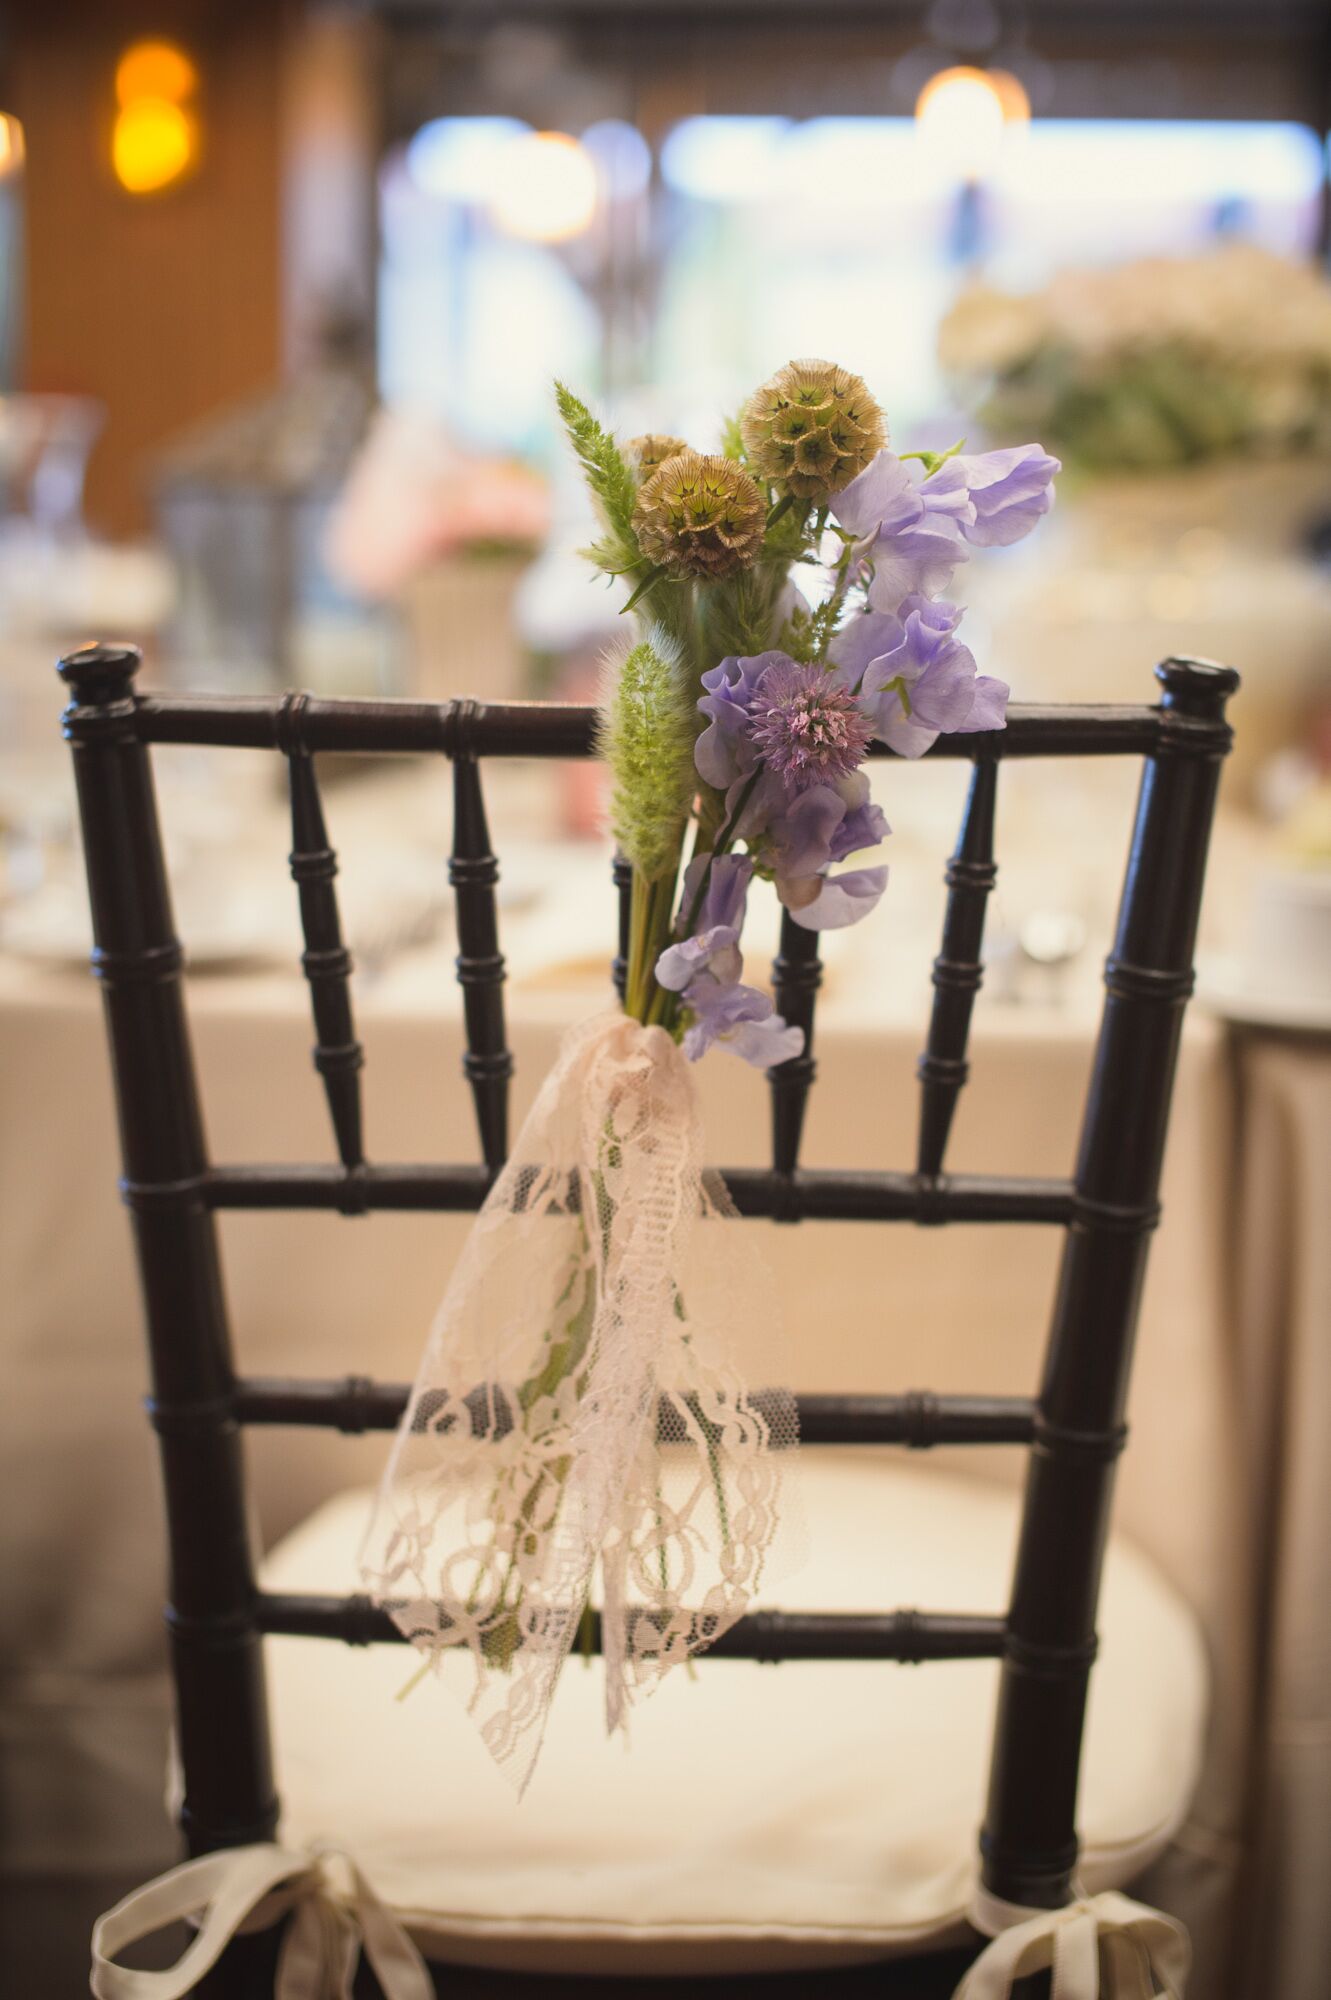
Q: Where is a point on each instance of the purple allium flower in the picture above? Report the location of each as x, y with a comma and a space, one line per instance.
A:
911, 535
740, 1019
726, 750
1008, 492
807, 725
923, 682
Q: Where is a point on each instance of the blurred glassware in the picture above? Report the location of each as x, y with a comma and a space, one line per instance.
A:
1050, 940
45, 442
243, 505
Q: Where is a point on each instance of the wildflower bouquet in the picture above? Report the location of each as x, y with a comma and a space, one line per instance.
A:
746, 710
583, 1403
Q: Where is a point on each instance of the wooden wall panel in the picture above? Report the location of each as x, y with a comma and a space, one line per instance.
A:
167, 307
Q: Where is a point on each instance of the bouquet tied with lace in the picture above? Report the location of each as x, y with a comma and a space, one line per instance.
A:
584, 1414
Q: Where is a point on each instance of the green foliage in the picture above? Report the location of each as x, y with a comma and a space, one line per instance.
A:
793, 529
807, 634
732, 440
736, 616
646, 738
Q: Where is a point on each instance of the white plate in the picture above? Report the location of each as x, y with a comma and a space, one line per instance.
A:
1234, 989
53, 928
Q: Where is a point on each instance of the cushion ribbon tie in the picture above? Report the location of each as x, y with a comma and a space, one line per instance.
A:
245, 1889
1102, 1947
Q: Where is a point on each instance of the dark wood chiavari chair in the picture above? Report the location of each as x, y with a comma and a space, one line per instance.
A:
1072, 1428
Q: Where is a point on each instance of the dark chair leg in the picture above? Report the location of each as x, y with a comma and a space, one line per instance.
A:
247, 1969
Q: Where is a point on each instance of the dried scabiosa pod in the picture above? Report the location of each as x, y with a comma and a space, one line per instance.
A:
812, 429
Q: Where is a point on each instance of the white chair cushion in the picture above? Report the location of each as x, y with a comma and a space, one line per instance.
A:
764, 1817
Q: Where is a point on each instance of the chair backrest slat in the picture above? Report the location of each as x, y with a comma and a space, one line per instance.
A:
622, 875
326, 962
474, 872
797, 973
958, 969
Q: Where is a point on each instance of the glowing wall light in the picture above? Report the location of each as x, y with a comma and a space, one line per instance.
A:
152, 144
543, 187
12, 148
962, 116
155, 138
155, 69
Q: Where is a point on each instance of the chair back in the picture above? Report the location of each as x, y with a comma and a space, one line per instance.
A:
1071, 1428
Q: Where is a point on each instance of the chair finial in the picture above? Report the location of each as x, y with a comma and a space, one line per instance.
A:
101, 673
1200, 685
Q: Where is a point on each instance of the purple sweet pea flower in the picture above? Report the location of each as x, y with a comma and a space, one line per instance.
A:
727, 878
712, 954
911, 534
926, 684
864, 825
832, 902
820, 827
705, 968
740, 1019
1008, 492
870, 634
807, 834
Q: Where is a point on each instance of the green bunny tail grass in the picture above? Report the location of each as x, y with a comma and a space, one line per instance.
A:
609, 479
646, 738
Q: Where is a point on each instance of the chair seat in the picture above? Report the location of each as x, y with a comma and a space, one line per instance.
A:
764, 1818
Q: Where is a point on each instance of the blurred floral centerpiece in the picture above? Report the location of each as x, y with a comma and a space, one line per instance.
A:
412, 498
445, 534
1155, 364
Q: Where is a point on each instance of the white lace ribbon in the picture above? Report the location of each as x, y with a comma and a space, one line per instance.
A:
244, 1889
1102, 1947
602, 1288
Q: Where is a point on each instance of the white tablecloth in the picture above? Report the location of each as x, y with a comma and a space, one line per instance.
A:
82, 1727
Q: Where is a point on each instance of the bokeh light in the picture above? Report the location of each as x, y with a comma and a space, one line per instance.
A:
622, 157
544, 188
455, 159
962, 115
12, 148
1013, 96
153, 144
155, 69
723, 159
